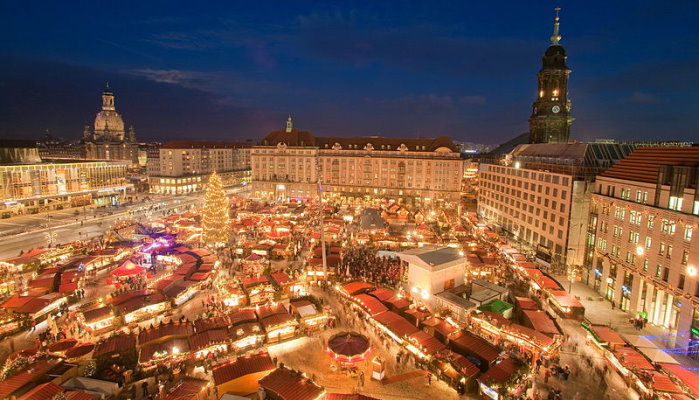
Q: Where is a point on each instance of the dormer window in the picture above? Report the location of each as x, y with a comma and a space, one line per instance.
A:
402, 147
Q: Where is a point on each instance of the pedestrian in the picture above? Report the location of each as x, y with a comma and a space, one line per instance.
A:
144, 386
429, 379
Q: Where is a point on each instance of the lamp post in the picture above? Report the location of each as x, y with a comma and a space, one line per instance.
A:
571, 271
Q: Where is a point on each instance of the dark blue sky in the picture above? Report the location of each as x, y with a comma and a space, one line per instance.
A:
235, 70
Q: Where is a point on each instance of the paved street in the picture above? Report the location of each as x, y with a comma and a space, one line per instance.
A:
97, 222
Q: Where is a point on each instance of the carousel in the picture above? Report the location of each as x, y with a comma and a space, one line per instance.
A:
348, 348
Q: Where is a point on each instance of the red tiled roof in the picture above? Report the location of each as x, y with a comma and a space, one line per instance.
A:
475, 345
252, 281
204, 324
281, 278
173, 329
643, 165
202, 144
28, 374
500, 372
525, 303
629, 358
80, 350
207, 338
399, 303
607, 335
269, 309
62, 345
45, 391
370, 304
349, 396
241, 316
34, 305
242, 366
16, 301
277, 319
353, 288
382, 294
188, 389
687, 377
430, 344
115, 344
290, 385
541, 322
78, 395
395, 323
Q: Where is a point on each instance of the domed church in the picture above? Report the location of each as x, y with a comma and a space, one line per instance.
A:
107, 139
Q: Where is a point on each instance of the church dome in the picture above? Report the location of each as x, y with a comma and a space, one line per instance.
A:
109, 121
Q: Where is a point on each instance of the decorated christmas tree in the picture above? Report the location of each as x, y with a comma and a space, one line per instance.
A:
214, 223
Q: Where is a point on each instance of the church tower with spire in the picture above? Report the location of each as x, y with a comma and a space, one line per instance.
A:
551, 119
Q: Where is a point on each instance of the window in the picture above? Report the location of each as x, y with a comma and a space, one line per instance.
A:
675, 203
688, 233
661, 250
695, 209
651, 221
648, 242
680, 283
641, 197
685, 257
666, 274
633, 237
635, 217
625, 193
669, 251
645, 265
658, 271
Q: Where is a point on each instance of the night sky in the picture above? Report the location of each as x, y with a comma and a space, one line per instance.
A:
396, 68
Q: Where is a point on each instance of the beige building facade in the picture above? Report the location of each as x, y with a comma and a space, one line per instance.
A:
288, 164
540, 194
643, 242
184, 166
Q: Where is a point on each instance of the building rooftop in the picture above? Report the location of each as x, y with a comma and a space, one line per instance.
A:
432, 257
287, 384
644, 164
202, 144
304, 138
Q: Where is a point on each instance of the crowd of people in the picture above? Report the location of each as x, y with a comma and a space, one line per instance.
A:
364, 263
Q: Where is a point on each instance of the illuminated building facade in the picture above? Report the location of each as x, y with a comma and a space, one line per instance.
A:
184, 166
540, 194
286, 164
644, 224
29, 186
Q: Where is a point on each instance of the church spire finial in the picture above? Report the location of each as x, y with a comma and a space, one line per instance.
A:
556, 37
289, 124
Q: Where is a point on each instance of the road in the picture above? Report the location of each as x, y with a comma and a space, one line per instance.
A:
98, 221
30, 231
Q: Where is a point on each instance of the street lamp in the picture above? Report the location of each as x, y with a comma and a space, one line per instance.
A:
571, 272
50, 237
692, 270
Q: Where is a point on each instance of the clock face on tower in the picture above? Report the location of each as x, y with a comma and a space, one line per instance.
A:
556, 109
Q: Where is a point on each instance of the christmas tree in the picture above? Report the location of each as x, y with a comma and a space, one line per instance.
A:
215, 218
